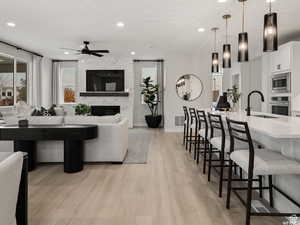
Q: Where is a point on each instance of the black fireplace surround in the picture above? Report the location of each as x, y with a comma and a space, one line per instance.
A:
97, 110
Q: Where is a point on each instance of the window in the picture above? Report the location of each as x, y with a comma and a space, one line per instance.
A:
13, 81
67, 84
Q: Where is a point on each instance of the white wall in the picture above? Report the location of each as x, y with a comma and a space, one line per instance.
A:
175, 66
251, 75
265, 82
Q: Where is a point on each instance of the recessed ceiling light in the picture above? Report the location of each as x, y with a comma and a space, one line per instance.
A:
132, 53
66, 53
201, 29
222, 1
11, 24
268, 1
120, 24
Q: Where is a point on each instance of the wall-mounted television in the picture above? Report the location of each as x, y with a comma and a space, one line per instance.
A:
105, 80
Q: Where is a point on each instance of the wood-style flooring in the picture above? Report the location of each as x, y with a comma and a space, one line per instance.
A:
169, 190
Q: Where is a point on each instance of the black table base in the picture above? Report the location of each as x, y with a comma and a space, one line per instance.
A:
25, 139
73, 156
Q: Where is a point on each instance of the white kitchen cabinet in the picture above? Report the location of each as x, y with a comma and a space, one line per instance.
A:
281, 59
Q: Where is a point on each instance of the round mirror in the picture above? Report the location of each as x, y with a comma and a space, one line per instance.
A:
189, 87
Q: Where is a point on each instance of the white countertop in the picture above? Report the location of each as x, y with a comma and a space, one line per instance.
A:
281, 127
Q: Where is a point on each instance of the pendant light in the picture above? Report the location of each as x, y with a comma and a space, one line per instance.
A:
226, 46
215, 54
243, 55
270, 31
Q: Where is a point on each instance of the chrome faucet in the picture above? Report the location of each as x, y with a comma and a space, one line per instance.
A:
248, 109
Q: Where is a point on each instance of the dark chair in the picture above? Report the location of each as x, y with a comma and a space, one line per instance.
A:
185, 125
250, 161
222, 145
202, 137
193, 128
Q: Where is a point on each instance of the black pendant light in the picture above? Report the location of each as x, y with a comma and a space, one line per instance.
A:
215, 54
243, 54
270, 31
226, 46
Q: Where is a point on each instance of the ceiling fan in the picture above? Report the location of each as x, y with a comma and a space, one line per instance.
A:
86, 51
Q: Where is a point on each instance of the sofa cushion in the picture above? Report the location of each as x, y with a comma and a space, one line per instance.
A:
92, 119
45, 120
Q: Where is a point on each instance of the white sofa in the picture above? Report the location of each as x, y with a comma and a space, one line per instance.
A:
110, 146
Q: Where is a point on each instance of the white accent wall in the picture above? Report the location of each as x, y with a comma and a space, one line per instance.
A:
108, 63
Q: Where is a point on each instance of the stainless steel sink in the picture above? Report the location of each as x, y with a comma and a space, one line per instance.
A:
265, 116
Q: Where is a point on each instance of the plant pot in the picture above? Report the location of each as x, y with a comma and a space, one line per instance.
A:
153, 121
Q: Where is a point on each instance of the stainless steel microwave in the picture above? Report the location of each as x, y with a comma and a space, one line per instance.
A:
281, 83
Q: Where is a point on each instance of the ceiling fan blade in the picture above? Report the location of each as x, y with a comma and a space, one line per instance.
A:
99, 51
95, 54
70, 49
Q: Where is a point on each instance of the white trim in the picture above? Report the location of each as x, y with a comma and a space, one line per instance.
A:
173, 130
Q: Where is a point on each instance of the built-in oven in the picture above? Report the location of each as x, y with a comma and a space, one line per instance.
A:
280, 105
281, 83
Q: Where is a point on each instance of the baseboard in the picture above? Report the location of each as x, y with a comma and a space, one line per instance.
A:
173, 130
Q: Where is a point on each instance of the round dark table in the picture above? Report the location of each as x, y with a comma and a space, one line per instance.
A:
73, 136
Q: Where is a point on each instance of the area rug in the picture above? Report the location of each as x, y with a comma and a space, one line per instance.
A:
138, 146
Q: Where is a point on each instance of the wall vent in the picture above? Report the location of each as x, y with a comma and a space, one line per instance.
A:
179, 121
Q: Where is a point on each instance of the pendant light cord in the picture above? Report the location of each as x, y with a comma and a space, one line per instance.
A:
215, 47
270, 6
226, 31
243, 23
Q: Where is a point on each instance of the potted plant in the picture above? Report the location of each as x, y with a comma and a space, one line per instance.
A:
82, 109
151, 98
234, 96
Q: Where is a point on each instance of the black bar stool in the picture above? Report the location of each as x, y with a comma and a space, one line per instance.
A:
193, 128
202, 137
257, 162
185, 125
221, 143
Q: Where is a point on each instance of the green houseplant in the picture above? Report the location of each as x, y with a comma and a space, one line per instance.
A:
150, 93
82, 109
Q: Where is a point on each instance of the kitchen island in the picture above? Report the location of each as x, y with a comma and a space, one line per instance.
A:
281, 134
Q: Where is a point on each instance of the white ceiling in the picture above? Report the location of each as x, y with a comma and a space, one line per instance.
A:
152, 28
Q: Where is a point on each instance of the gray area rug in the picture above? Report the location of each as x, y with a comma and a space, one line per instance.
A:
138, 146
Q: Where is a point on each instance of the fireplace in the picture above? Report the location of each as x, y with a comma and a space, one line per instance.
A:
97, 110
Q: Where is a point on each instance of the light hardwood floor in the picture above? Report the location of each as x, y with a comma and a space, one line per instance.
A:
169, 190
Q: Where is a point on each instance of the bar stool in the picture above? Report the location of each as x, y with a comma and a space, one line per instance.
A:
202, 137
185, 125
222, 144
257, 162
193, 128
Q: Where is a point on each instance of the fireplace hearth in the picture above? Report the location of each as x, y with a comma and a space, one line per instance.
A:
97, 110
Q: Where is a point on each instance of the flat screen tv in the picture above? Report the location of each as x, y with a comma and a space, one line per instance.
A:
104, 80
